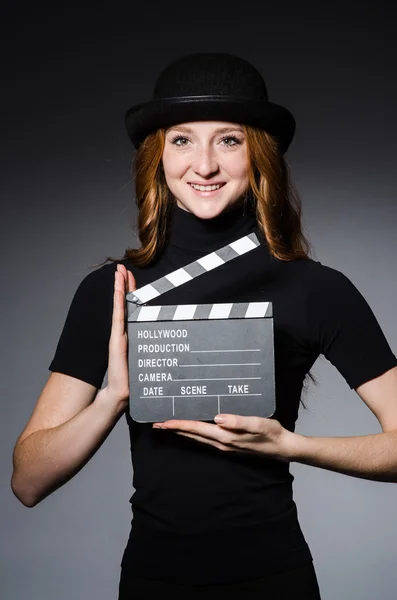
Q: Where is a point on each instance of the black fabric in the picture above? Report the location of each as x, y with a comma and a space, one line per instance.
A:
295, 584
201, 516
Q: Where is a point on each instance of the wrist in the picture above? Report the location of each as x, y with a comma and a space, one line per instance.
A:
293, 446
107, 404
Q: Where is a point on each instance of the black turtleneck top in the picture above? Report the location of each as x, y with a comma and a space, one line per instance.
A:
201, 515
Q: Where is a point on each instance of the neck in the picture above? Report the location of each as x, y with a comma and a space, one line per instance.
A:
192, 233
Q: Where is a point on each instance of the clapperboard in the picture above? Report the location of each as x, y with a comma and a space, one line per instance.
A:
193, 361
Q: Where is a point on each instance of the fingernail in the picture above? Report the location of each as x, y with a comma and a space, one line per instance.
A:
219, 419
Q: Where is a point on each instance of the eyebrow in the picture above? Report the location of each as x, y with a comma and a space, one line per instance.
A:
218, 130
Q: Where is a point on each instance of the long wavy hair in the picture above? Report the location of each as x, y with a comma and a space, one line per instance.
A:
270, 191
277, 204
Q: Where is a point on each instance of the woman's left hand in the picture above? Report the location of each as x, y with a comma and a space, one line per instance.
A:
254, 435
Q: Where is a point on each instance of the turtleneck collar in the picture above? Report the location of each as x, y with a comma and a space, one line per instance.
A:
188, 232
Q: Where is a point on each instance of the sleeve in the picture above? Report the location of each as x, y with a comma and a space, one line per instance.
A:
82, 349
345, 330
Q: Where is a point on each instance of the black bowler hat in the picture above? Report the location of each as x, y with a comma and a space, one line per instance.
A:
210, 87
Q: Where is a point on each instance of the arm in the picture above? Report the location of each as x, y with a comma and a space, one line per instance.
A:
345, 330
71, 420
47, 458
368, 456
342, 327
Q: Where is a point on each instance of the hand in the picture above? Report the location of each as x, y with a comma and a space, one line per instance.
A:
117, 389
254, 435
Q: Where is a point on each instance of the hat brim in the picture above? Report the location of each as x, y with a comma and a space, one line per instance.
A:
142, 119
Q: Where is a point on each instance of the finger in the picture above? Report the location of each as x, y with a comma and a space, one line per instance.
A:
118, 362
131, 283
119, 281
118, 316
240, 423
198, 427
121, 269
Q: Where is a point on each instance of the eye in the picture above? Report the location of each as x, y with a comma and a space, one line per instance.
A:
236, 141
176, 139
230, 138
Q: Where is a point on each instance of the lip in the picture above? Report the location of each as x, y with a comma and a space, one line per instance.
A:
208, 194
222, 183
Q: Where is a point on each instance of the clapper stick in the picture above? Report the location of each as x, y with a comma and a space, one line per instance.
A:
191, 271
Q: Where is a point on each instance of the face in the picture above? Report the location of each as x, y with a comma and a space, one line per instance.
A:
206, 153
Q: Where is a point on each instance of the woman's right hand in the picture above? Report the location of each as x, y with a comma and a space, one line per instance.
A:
117, 390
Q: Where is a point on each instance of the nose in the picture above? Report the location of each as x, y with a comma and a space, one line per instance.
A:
204, 162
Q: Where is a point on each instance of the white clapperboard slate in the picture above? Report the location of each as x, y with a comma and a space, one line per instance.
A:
193, 361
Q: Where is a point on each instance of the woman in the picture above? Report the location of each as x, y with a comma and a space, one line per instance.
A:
213, 507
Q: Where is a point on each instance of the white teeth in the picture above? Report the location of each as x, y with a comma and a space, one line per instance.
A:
205, 188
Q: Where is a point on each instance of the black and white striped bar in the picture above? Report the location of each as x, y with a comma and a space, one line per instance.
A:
181, 312
190, 271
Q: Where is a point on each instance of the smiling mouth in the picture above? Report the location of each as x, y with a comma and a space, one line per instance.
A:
207, 188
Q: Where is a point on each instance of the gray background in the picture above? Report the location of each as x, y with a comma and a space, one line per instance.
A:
67, 202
